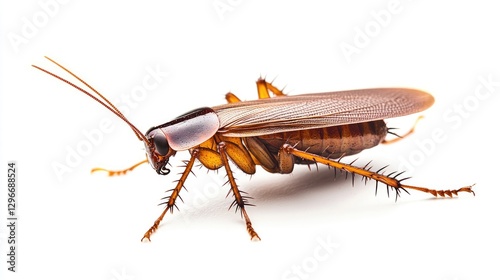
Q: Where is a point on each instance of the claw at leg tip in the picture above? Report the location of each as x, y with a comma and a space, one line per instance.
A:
255, 238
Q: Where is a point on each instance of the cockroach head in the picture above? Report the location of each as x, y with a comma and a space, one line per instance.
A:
183, 133
158, 150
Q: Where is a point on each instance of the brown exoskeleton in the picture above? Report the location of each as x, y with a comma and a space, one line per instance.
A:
276, 133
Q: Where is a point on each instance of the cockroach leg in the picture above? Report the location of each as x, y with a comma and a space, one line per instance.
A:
239, 200
399, 137
231, 98
170, 203
118, 172
263, 90
387, 180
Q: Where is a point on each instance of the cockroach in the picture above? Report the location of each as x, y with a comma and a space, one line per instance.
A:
275, 132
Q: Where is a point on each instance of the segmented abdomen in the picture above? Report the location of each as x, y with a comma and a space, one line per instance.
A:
332, 142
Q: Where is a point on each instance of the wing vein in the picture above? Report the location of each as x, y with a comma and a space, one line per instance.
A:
308, 111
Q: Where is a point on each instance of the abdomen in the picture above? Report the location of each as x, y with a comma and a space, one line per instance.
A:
332, 142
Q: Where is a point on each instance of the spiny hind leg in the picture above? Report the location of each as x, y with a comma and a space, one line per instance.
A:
264, 90
400, 137
389, 180
117, 172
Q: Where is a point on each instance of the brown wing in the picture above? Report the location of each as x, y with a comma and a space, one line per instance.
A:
307, 111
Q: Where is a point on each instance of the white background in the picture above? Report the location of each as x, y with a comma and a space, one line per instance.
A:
80, 226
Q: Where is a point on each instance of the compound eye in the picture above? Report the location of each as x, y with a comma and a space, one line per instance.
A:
161, 144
